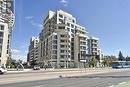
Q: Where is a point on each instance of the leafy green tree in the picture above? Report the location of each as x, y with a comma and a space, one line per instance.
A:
121, 58
104, 62
107, 60
9, 62
127, 58
92, 62
20, 61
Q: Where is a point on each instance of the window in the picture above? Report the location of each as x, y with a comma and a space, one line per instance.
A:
62, 41
61, 16
68, 56
72, 35
1, 41
62, 46
0, 50
1, 27
54, 52
1, 34
69, 46
54, 57
61, 27
68, 24
72, 39
62, 51
68, 29
72, 30
62, 35
72, 25
54, 41
61, 21
54, 47
73, 21
61, 56
55, 37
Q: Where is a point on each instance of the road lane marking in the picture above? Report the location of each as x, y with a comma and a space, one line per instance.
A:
122, 83
111, 86
39, 86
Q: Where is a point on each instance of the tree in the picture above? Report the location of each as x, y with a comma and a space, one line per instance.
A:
121, 58
20, 61
93, 61
107, 60
127, 58
9, 62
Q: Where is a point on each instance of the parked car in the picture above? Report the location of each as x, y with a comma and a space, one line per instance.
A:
36, 67
2, 70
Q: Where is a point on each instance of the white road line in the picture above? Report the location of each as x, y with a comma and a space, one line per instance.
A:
39, 86
111, 86
122, 83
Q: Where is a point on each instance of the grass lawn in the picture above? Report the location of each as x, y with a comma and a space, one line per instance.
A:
123, 85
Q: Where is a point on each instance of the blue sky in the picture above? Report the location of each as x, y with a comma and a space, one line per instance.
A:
108, 20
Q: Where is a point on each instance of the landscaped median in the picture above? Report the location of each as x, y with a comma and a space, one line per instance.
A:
123, 84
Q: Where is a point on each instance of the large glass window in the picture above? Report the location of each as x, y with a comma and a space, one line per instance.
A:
54, 52
54, 47
72, 30
1, 42
61, 27
61, 21
62, 46
62, 51
1, 27
62, 35
54, 57
1, 35
68, 24
72, 26
68, 29
61, 56
61, 16
55, 37
54, 41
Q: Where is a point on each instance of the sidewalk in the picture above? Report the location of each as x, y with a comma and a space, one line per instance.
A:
58, 70
51, 74
103, 70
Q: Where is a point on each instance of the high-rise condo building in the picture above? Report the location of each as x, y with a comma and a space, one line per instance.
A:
6, 27
63, 42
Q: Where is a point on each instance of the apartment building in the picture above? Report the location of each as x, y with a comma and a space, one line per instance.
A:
34, 51
63, 42
93, 48
6, 27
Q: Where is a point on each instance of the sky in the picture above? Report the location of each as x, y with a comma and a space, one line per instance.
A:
109, 20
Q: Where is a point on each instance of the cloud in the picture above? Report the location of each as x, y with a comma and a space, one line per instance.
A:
64, 2
26, 51
21, 57
31, 20
15, 51
36, 24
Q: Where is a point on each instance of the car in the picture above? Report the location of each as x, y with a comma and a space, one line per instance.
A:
36, 67
2, 70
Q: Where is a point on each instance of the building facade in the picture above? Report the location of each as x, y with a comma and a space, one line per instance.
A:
93, 48
6, 26
63, 42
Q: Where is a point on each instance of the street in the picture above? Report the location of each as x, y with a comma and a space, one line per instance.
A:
90, 80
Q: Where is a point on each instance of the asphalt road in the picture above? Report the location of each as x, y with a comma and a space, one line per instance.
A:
97, 80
